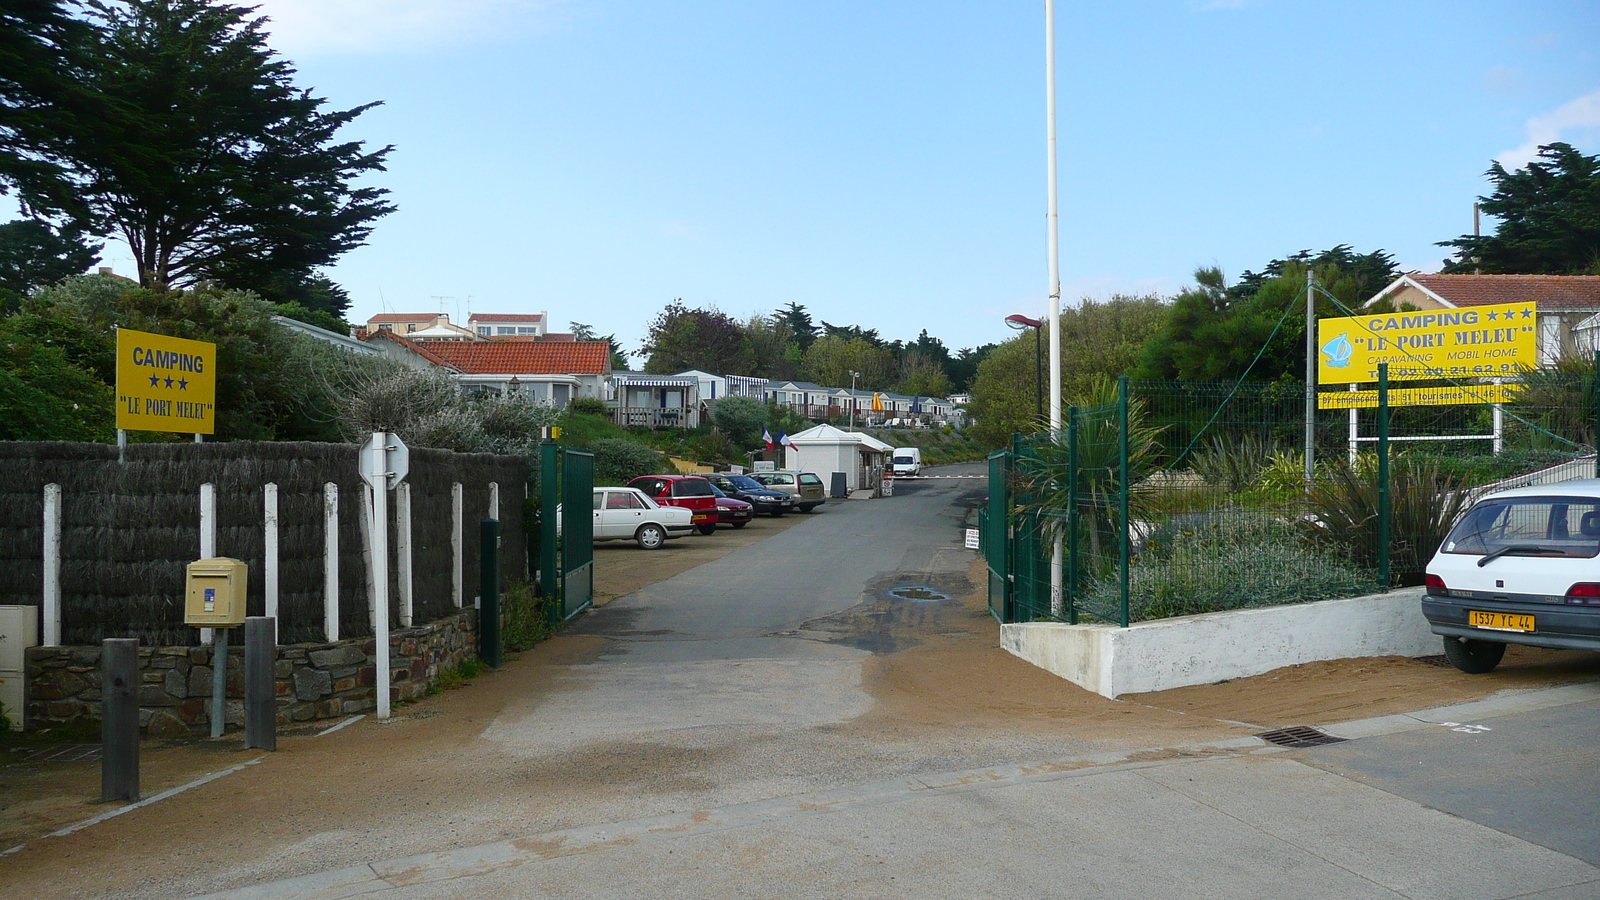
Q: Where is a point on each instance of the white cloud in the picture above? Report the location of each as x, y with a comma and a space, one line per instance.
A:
384, 26
1580, 115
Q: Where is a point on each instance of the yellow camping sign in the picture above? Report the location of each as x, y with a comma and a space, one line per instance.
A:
1476, 342
165, 383
1451, 395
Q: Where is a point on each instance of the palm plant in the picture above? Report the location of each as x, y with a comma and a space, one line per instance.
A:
1424, 504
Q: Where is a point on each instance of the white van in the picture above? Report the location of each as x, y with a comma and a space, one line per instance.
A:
907, 462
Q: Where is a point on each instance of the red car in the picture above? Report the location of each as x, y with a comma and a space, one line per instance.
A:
690, 492
732, 510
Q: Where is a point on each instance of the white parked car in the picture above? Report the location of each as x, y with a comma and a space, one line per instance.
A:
1521, 567
627, 514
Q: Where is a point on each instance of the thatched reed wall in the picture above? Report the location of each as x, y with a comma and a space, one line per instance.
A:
129, 529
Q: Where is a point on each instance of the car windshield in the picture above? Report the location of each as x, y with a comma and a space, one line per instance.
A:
809, 478
906, 458
770, 478
717, 492
745, 483
693, 487
1529, 526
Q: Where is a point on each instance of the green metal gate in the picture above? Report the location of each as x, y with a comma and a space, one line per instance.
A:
577, 531
994, 526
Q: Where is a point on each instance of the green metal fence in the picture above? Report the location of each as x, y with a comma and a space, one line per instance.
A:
577, 531
1159, 499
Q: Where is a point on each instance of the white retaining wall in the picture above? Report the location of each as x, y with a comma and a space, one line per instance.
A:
1169, 653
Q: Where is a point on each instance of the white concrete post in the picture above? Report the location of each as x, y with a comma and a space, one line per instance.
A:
269, 562
1355, 430
455, 543
402, 514
52, 565
1499, 424
494, 500
208, 537
330, 562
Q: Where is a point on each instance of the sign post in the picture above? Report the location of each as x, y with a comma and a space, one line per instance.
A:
385, 461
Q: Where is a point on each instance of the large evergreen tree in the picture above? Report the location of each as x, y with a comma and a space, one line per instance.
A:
707, 339
1549, 216
202, 153
32, 255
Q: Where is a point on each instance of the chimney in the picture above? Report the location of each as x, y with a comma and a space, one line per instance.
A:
107, 270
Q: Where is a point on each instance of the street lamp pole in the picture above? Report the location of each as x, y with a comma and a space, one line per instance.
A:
1057, 605
853, 399
1020, 322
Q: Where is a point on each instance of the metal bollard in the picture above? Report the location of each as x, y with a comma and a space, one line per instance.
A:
260, 698
219, 681
119, 719
489, 610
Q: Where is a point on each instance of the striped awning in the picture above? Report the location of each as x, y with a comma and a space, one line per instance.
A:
745, 379
656, 382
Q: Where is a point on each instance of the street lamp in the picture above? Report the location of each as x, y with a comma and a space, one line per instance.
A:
514, 385
853, 399
1020, 322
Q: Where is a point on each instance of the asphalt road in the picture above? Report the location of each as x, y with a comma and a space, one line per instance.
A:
744, 651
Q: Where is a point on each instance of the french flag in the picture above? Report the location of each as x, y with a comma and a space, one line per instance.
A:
766, 436
788, 443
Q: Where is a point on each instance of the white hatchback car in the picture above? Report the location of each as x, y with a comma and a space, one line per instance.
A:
1521, 567
627, 514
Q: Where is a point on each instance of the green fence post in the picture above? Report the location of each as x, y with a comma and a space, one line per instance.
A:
549, 498
1383, 475
1122, 492
489, 585
1071, 585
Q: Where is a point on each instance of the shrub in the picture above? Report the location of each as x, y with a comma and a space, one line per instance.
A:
1228, 559
619, 460
742, 418
1232, 462
588, 406
1424, 503
523, 621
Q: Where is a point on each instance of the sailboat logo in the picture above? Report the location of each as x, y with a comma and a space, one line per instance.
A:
1338, 351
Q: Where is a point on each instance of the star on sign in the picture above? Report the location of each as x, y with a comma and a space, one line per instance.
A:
154, 380
169, 381
1492, 316
183, 384
1527, 314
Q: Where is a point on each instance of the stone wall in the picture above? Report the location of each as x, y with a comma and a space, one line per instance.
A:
313, 681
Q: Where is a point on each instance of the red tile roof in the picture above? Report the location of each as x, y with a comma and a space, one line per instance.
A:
1548, 291
526, 357
420, 348
508, 317
393, 318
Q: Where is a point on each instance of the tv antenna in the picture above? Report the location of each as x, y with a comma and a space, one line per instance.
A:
442, 298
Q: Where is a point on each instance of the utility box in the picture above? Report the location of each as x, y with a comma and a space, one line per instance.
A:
19, 630
216, 591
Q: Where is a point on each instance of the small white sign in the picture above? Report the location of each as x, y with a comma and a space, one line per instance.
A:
766, 465
972, 539
737, 470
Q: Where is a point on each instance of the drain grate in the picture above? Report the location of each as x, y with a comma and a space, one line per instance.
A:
1299, 736
1438, 660
918, 592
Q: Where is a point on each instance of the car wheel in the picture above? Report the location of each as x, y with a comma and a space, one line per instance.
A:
650, 536
708, 529
806, 509
777, 513
740, 524
1473, 657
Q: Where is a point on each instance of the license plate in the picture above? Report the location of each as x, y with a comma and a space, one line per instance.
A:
1496, 621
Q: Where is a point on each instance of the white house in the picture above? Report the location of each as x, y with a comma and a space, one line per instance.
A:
502, 325
826, 450
656, 400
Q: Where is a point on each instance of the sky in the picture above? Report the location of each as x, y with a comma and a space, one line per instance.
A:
883, 163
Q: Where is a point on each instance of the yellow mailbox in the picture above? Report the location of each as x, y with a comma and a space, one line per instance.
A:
216, 590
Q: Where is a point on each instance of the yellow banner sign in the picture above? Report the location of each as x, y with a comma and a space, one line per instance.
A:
1475, 342
1433, 396
165, 383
